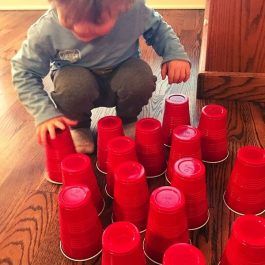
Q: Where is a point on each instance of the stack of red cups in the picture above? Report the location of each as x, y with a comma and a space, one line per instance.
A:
109, 127
121, 245
56, 150
189, 177
120, 149
131, 197
213, 128
186, 142
80, 227
246, 245
183, 254
149, 146
245, 192
77, 170
176, 113
167, 222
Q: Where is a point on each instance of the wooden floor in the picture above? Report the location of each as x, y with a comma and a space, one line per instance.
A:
29, 232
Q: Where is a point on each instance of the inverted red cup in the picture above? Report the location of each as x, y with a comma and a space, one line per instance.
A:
80, 227
77, 170
183, 254
122, 245
109, 127
246, 244
245, 192
131, 196
167, 222
189, 176
176, 112
149, 146
186, 142
56, 150
120, 149
213, 128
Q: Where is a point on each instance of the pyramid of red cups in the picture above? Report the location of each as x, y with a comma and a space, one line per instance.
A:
154, 225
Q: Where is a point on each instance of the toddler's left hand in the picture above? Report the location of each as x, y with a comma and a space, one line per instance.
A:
177, 71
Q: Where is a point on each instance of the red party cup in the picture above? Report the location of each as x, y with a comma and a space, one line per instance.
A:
56, 150
186, 142
245, 192
131, 196
77, 170
122, 245
120, 149
246, 245
80, 227
149, 146
183, 254
176, 113
167, 222
109, 127
213, 128
189, 177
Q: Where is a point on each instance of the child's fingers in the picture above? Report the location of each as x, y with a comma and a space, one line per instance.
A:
182, 75
170, 75
187, 73
164, 71
176, 78
59, 124
51, 130
69, 122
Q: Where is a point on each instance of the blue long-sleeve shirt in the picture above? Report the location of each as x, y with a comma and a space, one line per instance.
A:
51, 46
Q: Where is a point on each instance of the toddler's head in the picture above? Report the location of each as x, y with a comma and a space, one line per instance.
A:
89, 19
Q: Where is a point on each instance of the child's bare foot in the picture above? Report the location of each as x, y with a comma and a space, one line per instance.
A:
83, 140
129, 129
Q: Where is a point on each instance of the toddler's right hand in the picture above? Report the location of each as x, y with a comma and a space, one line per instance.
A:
50, 126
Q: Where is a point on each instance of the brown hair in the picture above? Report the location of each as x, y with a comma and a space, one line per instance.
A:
95, 11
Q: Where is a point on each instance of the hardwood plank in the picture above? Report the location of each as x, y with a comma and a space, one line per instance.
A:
232, 86
21, 237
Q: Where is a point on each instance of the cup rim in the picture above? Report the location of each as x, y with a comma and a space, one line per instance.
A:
236, 212
72, 259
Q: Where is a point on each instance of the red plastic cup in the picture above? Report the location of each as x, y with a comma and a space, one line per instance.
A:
186, 142
109, 127
131, 196
120, 149
245, 192
167, 222
149, 146
77, 170
246, 245
176, 113
56, 150
183, 254
189, 177
213, 128
80, 227
122, 245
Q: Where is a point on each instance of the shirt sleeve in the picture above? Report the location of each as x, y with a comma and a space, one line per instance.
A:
162, 37
29, 66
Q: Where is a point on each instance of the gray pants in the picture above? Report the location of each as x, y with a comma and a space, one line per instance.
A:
128, 87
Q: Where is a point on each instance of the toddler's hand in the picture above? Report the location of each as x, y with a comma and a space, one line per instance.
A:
177, 71
50, 126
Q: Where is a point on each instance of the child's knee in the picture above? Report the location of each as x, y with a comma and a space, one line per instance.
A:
74, 88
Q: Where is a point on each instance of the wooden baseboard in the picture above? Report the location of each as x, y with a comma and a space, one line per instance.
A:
232, 86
